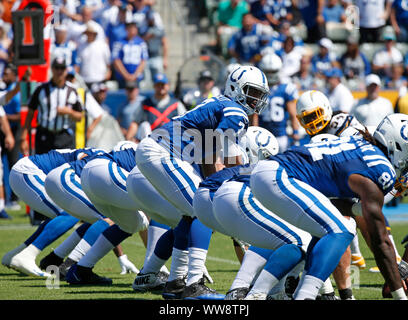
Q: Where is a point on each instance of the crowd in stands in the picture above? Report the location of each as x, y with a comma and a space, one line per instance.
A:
313, 36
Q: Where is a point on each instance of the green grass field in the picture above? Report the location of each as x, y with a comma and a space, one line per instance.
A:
221, 263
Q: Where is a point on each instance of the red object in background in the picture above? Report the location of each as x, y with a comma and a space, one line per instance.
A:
39, 72
23, 114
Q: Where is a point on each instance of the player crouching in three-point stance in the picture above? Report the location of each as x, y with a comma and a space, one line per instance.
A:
296, 185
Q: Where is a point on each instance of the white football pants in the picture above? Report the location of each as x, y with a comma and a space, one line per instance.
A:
243, 217
64, 187
104, 182
296, 202
150, 201
176, 180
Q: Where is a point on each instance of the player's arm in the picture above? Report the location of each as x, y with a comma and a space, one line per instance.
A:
291, 107
9, 138
372, 200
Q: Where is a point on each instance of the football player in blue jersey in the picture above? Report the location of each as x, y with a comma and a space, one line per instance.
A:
281, 103
63, 185
317, 117
103, 180
27, 178
297, 184
167, 159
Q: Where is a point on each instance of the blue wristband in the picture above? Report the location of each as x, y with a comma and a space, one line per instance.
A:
295, 131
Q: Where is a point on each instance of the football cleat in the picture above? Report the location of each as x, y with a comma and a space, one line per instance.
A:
50, 260
376, 269
24, 264
174, 289
237, 294
291, 284
4, 215
151, 281
256, 296
327, 296
358, 261
64, 267
199, 291
79, 275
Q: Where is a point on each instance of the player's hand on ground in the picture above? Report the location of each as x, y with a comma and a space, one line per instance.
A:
127, 266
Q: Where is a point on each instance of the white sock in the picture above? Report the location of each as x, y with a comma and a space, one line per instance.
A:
1, 204
80, 250
153, 264
68, 245
265, 282
354, 246
393, 244
280, 287
327, 287
153, 235
196, 264
32, 251
179, 264
252, 264
101, 248
309, 288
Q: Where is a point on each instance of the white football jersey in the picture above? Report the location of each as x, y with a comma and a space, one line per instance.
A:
344, 124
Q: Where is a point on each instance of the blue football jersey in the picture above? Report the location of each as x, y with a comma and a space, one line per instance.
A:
55, 158
275, 116
189, 136
215, 181
124, 158
326, 166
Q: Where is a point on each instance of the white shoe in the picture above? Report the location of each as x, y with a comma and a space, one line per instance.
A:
256, 296
6, 260
24, 264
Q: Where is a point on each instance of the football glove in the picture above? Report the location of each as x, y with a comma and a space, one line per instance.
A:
126, 265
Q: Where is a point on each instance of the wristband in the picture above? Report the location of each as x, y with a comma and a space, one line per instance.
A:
295, 131
399, 294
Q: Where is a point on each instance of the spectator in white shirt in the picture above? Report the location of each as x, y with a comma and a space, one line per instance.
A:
386, 57
373, 108
340, 97
373, 14
76, 29
94, 57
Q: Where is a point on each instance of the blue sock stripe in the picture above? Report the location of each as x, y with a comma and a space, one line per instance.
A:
82, 229
264, 253
72, 191
115, 180
154, 223
247, 212
178, 182
40, 193
300, 202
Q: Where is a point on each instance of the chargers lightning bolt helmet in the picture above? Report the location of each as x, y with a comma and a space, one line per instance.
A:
271, 65
392, 135
248, 86
313, 111
259, 144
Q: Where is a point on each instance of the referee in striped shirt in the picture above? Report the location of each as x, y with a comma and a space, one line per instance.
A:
59, 107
